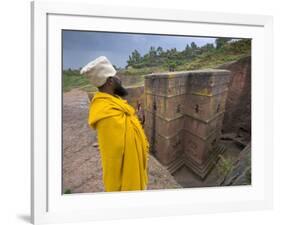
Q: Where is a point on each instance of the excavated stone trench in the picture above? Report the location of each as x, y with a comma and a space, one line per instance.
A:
199, 122
186, 124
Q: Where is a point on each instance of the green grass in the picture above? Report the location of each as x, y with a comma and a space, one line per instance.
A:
73, 79
211, 59
224, 165
137, 84
142, 71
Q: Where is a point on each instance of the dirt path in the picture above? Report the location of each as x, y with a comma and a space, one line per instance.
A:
82, 170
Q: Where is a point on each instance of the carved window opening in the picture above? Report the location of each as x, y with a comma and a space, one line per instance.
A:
177, 142
218, 108
178, 108
154, 106
197, 108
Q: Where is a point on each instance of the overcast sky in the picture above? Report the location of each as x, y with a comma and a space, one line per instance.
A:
80, 47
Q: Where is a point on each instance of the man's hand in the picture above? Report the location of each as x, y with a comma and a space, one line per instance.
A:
140, 115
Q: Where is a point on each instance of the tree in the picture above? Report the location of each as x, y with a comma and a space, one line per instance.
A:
207, 47
152, 52
171, 65
187, 48
159, 51
172, 53
193, 45
220, 42
134, 58
187, 51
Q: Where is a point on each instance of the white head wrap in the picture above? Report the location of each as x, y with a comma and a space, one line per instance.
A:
98, 70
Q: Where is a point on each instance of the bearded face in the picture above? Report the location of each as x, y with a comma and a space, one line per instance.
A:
118, 89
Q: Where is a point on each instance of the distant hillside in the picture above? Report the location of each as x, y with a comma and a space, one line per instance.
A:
157, 60
73, 79
193, 57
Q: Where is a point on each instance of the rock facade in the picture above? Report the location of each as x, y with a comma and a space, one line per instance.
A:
184, 112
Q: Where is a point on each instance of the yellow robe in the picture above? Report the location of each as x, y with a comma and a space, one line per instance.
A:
122, 142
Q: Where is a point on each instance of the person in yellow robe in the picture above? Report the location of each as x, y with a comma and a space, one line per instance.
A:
122, 141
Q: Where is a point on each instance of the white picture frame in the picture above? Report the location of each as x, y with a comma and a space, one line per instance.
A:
48, 205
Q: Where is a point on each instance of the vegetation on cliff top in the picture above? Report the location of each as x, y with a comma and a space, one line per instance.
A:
157, 60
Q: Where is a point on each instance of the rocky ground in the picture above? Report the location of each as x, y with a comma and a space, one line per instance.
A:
82, 172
